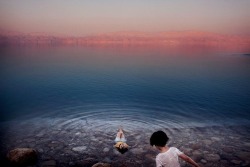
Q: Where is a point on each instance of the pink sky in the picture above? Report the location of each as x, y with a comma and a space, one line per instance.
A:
79, 18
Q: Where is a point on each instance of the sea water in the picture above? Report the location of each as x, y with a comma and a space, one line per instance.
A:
137, 86
99, 89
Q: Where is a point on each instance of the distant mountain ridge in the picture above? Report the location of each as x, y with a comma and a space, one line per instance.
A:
129, 38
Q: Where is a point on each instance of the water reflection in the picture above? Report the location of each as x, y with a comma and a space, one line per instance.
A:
170, 86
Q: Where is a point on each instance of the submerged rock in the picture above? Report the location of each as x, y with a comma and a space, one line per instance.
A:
236, 162
137, 151
243, 155
212, 157
203, 161
99, 164
106, 149
80, 149
22, 157
50, 163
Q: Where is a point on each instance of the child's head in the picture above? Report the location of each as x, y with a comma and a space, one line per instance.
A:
159, 138
121, 147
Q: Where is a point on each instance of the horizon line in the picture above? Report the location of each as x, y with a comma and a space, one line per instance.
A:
9, 33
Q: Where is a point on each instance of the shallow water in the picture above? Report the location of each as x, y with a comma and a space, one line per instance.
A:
60, 91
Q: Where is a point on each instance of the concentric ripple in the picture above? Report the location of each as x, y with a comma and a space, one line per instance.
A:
107, 118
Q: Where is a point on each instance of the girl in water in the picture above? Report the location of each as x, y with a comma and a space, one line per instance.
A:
120, 140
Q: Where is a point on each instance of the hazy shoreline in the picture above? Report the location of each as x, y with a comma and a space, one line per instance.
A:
185, 38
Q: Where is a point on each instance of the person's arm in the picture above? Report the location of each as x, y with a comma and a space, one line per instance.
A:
188, 159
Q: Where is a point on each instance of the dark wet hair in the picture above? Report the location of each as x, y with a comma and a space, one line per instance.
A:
123, 150
159, 138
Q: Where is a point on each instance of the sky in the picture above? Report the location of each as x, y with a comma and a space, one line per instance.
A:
87, 17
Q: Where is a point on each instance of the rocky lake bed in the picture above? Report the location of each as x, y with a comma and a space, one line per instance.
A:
85, 146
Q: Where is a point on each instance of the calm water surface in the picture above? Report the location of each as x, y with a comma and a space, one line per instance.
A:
132, 87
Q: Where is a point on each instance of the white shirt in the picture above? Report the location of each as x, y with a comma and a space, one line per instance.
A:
169, 158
